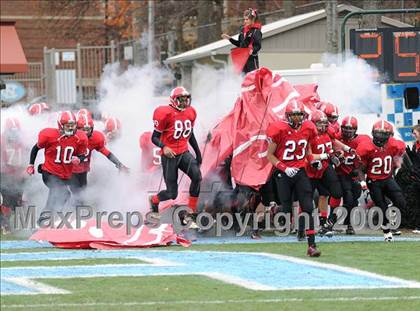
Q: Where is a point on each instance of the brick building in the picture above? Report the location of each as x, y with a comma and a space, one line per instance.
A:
58, 24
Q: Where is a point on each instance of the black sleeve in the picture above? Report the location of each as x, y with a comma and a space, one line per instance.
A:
235, 42
156, 139
34, 152
194, 145
256, 42
114, 160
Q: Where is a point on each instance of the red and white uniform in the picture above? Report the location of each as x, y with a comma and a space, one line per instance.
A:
379, 161
320, 144
150, 154
291, 143
176, 126
351, 162
95, 142
59, 150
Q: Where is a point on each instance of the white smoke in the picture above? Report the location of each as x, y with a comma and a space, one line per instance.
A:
352, 86
131, 96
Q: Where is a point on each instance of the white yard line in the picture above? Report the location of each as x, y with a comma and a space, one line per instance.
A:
207, 302
39, 288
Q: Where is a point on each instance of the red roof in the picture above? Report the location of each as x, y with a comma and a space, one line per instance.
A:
12, 57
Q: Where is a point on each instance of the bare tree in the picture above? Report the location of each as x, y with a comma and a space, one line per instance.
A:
371, 21
289, 8
332, 29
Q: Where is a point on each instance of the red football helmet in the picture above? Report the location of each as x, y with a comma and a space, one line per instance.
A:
38, 108
112, 127
67, 123
320, 120
82, 112
381, 131
85, 123
349, 127
180, 98
332, 112
295, 113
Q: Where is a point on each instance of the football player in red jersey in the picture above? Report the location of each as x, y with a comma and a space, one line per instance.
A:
332, 114
173, 130
150, 154
64, 146
38, 108
322, 174
112, 128
348, 170
83, 112
96, 141
379, 156
12, 167
288, 151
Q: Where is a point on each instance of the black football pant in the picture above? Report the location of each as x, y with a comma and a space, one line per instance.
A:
58, 193
300, 185
78, 183
187, 164
268, 192
387, 188
351, 194
328, 184
11, 188
417, 210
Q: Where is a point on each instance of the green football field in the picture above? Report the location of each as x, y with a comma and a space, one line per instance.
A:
163, 291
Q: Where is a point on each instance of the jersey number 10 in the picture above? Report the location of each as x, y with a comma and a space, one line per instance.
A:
66, 156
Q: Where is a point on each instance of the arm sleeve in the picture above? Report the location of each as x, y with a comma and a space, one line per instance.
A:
194, 145
102, 148
114, 160
256, 42
235, 42
156, 139
34, 153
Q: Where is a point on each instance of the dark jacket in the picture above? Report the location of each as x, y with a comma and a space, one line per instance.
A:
254, 36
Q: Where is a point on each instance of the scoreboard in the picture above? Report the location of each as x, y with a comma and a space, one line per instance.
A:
395, 52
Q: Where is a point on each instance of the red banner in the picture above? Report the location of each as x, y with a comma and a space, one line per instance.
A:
92, 235
239, 58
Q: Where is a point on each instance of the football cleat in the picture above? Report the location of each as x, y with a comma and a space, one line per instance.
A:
395, 232
185, 218
388, 237
350, 230
326, 230
255, 235
313, 251
416, 231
